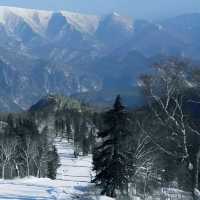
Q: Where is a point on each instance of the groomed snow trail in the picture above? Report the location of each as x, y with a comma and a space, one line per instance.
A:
72, 181
75, 173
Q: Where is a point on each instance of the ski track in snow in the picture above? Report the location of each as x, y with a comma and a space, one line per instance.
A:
72, 181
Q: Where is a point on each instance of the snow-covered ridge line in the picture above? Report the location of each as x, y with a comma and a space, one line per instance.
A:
38, 20
31, 10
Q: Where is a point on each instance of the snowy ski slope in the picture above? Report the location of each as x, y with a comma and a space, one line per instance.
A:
72, 182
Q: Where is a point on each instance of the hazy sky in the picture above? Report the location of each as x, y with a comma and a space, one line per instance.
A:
136, 8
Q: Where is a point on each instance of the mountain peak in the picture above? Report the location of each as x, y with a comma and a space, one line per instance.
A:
115, 14
38, 20
115, 19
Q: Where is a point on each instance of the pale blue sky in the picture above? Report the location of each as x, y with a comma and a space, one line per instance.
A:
135, 8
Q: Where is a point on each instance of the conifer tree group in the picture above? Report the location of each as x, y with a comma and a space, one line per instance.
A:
111, 157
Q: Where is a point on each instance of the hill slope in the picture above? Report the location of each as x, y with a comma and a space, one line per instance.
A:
72, 182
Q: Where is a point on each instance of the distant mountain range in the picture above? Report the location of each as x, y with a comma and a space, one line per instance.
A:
44, 52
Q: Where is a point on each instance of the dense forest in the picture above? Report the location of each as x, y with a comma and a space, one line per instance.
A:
135, 150
24, 151
155, 146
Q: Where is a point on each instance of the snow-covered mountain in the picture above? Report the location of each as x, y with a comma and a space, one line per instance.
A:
67, 53
45, 52
62, 35
38, 20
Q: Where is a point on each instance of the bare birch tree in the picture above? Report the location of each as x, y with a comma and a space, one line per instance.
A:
7, 151
165, 91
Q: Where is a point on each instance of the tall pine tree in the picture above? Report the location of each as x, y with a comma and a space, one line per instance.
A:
111, 158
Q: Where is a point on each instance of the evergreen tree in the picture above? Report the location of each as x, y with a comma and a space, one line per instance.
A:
111, 157
84, 142
53, 163
10, 127
68, 128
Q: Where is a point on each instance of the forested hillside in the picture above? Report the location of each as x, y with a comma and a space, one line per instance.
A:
136, 151
139, 152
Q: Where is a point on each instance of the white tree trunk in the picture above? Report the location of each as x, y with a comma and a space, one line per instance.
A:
3, 171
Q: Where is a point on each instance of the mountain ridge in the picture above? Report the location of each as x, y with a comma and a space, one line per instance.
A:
67, 53
38, 19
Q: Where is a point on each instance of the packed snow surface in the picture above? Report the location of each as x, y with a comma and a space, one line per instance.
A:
72, 182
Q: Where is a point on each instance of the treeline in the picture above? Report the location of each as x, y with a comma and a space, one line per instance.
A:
77, 127
155, 146
23, 150
67, 118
